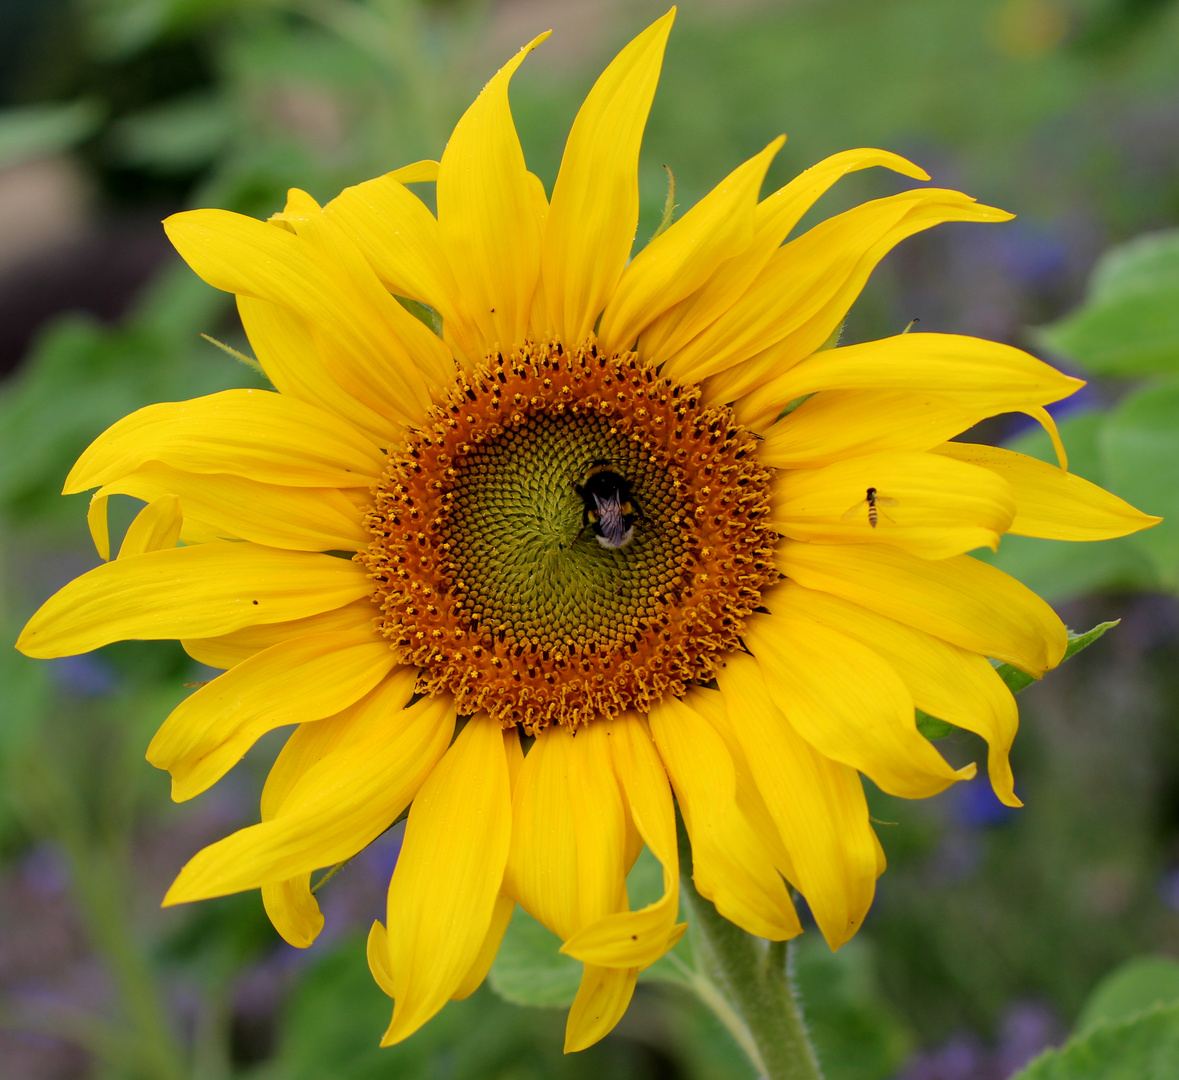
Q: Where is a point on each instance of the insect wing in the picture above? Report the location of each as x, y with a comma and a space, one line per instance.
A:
858, 505
610, 518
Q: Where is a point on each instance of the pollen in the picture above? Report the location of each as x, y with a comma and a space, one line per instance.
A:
487, 579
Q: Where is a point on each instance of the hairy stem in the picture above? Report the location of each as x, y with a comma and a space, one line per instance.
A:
746, 983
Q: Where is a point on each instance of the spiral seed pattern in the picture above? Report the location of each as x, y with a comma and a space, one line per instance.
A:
484, 582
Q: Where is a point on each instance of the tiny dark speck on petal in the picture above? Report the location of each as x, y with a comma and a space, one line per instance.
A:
255, 603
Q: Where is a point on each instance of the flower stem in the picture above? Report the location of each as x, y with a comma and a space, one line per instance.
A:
746, 983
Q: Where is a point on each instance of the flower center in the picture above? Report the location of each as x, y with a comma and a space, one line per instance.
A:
571, 536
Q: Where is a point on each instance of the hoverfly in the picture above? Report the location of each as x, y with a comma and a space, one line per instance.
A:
873, 500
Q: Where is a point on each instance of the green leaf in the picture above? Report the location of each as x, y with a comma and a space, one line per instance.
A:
41, 130
1138, 985
1129, 324
176, 136
529, 968
1139, 445
1143, 1048
1017, 680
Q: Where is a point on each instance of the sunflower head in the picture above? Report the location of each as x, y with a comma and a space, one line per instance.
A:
487, 580
632, 507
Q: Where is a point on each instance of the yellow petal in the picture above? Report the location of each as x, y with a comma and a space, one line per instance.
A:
156, 527
310, 743
400, 239
447, 881
407, 343
676, 263
637, 939
808, 285
947, 682
961, 600
542, 866
730, 866
293, 910
920, 505
486, 215
838, 424
500, 917
232, 507
305, 274
284, 346
419, 172
338, 805
710, 704
566, 866
601, 1000
773, 219
1050, 502
231, 649
965, 369
263, 436
817, 804
290, 683
201, 591
595, 205
599, 822
378, 957
848, 703
99, 531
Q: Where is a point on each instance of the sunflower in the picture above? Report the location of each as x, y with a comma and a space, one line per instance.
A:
518, 490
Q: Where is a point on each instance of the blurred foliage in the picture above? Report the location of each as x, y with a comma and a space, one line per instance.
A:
1129, 1029
1127, 328
1059, 109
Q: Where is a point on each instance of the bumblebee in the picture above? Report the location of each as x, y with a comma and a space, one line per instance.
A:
608, 506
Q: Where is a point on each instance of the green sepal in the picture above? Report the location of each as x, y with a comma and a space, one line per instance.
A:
1017, 680
423, 313
931, 727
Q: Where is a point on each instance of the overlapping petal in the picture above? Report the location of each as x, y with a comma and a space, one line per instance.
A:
773, 219
806, 288
285, 347
1050, 502
234, 507
486, 215
922, 506
730, 865
362, 768
156, 527
309, 275
676, 263
816, 803
271, 438
961, 600
201, 591
445, 888
293, 682
968, 370
837, 424
848, 703
946, 681
399, 238
595, 205
230, 649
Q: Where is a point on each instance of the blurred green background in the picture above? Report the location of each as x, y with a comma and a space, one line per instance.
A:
991, 927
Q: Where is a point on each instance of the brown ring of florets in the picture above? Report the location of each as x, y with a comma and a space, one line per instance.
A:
487, 579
